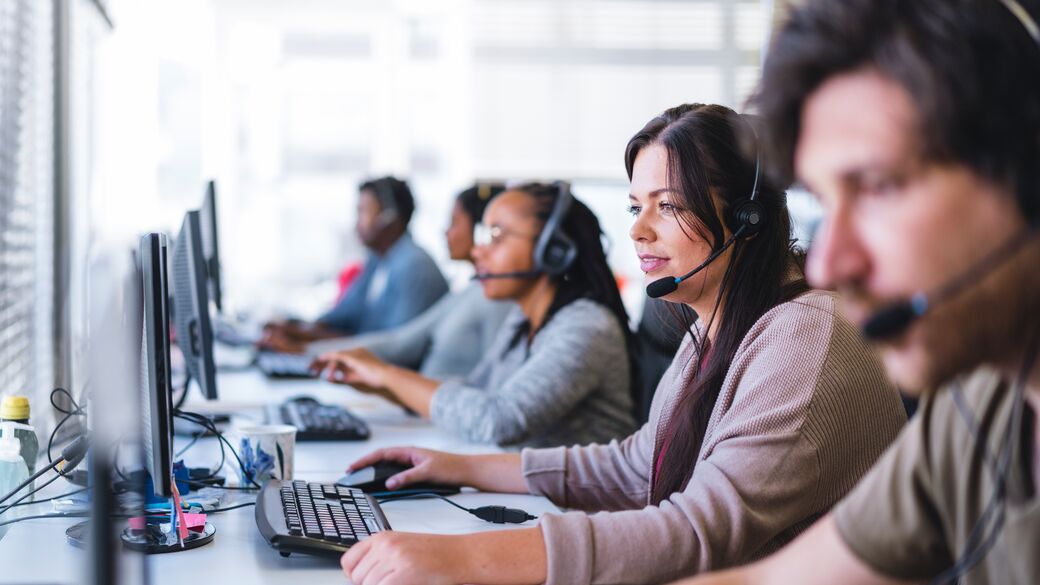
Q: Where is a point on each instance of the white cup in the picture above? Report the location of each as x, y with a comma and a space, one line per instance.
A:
266, 451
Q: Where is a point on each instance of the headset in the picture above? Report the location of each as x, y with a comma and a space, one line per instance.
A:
383, 188
554, 251
746, 218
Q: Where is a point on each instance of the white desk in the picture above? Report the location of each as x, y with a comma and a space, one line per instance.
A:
36, 552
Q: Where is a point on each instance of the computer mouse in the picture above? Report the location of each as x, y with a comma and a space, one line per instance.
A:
372, 479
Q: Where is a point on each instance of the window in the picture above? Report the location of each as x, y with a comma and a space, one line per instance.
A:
26, 202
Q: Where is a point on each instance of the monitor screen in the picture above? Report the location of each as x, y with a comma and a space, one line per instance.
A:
191, 305
211, 247
156, 387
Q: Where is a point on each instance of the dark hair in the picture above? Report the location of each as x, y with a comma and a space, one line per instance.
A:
589, 277
706, 163
969, 66
392, 193
475, 199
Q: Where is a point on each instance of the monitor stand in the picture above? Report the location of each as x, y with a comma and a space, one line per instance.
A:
150, 541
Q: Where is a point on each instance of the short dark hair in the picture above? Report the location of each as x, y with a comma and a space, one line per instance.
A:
475, 199
392, 193
969, 66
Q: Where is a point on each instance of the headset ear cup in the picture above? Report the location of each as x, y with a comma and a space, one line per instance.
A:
747, 214
558, 255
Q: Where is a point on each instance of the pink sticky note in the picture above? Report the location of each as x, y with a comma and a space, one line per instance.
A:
195, 522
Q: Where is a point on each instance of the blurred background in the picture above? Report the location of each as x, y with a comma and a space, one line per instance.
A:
116, 112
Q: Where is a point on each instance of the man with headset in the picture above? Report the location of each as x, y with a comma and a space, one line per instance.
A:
917, 125
399, 279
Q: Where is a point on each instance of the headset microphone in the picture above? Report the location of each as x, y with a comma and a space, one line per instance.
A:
668, 284
746, 219
894, 319
495, 275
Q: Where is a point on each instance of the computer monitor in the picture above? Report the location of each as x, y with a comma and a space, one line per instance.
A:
211, 247
191, 305
156, 385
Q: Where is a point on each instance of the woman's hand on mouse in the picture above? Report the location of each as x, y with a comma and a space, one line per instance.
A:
497, 472
427, 466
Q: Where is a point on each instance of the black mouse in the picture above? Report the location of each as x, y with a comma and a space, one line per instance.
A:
372, 480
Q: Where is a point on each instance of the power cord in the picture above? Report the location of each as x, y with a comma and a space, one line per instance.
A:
982, 540
77, 410
212, 428
495, 514
70, 457
50, 499
122, 516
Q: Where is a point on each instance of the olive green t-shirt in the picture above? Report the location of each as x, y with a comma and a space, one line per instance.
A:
912, 514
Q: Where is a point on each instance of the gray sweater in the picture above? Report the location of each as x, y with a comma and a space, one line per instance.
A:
569, 385
805, 409
446, 341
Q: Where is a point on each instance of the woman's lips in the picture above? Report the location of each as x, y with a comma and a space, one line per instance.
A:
649, 264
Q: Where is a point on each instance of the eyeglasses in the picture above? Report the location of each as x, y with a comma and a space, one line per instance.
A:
485, 235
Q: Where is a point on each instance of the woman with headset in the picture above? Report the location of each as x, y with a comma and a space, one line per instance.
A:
447, 339
559, 371
771, 410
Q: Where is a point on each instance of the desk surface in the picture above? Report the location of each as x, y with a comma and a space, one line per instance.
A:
36, 551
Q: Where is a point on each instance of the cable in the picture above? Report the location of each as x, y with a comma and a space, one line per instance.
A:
77, 410
203, 484
72, 454
495, 514
86, 514
41, 516
163, 514
994, 514
29, 493
208, 425
52, 498
184, 394
194, 439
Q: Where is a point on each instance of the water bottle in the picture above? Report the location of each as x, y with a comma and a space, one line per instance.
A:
16, 409
13, 470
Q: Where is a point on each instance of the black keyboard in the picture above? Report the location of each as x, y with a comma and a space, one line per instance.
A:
284, 365
315, 421
313, 518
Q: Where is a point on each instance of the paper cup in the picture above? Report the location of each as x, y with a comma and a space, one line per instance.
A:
266, 451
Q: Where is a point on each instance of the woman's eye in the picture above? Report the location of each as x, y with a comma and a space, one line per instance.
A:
634, 210
666, 207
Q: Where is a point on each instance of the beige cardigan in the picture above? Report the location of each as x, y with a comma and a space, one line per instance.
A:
804, 411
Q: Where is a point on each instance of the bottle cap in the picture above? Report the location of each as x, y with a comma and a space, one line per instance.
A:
14, 408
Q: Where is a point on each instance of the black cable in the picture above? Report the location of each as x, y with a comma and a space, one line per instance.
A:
994, 514
203, 484
195, 437
52, 498
184, 394
163, 514
40, 516
86, 514
495, 514
77, 410
71, 455
29, 481
210, 426
29, 493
